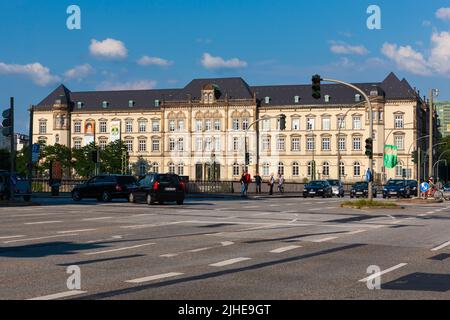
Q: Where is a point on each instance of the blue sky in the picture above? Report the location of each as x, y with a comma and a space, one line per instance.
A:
163, 44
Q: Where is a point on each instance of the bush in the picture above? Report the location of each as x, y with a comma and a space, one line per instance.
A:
366, 203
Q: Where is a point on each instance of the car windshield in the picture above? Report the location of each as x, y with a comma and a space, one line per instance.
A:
395, 183
168, 178
360, 185
126, 180
333, 182
316, 184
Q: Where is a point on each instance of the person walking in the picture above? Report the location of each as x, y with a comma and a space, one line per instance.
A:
271, 184
243, 183
258, 182
280, 183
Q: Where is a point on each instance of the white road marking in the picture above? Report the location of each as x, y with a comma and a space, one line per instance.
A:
60, 295
75, 231
95, 219
42, 222
430, 212
284, 249
422, 215
11, 237
228, 262
356, 231
119, 249
155, 277
142, 226
227, 243
251, 207
199, 250
441, 246
262, 214
40, 238
169, 255
378, 274
324, 239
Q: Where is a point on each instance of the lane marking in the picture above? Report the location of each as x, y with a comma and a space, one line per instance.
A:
251, 207
199, 250
142, 226
119, 249
284, 249
155, 277
75, 231
11, 237
228, 262
169, 255
40, 238
227, 243
59, 295
445, 244
356, 231
324, 239
378, 274
42, 222
95, 219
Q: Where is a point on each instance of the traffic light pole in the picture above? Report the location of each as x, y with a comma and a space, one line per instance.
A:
13, 150
370, 125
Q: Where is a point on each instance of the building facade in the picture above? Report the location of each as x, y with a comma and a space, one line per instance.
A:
443, 112
200, 130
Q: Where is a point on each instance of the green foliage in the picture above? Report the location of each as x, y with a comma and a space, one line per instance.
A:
82, 161
111, 157
364, 203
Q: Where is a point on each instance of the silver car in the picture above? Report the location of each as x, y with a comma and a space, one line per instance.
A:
338, 188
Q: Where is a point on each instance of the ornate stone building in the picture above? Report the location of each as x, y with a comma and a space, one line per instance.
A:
199, 130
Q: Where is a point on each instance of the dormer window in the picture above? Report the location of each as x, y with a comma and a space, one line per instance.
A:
267, 100
357, 97
80, 105
157, 103
131, 103
296, 99
327, 98
105, 104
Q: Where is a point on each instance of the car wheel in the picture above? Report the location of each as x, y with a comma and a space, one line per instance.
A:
180, 202
149, 199
76, 196
131, 198
106, 197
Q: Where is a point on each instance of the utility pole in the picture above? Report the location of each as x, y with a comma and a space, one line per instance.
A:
418, 170
433, 92
13, 148
30, 147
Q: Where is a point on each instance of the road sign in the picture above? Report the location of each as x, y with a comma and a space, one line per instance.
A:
368, 175
35, 152
424, 187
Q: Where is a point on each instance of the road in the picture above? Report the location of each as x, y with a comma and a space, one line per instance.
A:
278, 248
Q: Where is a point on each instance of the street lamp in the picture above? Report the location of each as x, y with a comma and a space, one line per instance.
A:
433, 93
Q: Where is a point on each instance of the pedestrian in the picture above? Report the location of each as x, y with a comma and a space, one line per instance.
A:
280, 183
271, 184
248, 180
243, 182
258, 182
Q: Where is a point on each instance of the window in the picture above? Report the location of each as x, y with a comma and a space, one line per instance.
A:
399, 121
296, 99
356, 123
155, 125
235, 124
266, 143
171, 144
357, 97
142, 145
296, 124
399, 170
102, 144
129, 126
105, 104
266, 125
399, 142
295, 144
356, 143
281, 168
245, 124
77, 144
309, 169
326, 146
42, 126
327, 98
217, 125
295, 169
171, 168
77, 127
208, 125
131, 103
157, 103
181, 169
341, 169
57, 139
155, 167
171, 125
341, 122
180, 144
326, 169
102, 126
266, 169
129, 145
217, 144
142, 126
142, 168
281, 144
80, 104
235, 144
267, 100
325, 124
310, 144
309, 123
180, 125
357, 169
155, 145
208, 144
235, 169
198, 144
342, 144
198, 125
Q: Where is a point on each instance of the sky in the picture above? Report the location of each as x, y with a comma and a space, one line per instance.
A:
164, 44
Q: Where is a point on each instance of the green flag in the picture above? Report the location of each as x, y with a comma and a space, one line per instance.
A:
390, 156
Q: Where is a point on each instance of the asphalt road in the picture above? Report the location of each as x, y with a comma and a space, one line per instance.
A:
280, 248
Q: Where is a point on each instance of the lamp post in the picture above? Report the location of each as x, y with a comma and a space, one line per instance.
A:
433, 93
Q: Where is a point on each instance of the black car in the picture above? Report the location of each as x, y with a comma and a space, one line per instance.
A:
361, 189
338, 188
397, 188
318, 188
156, 187
105, 188
414, 190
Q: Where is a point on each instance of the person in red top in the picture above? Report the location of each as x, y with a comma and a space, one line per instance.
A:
245, 181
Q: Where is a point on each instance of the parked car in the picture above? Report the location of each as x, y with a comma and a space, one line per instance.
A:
414, 190
397, 188
446, 187
105, 188
361, 189
338, 188
156, 187
21, 186
318, 188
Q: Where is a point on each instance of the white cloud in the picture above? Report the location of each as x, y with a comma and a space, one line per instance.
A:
406, 58
131, 85
108, 49
440, 53
154, 61
210, 62
343, 48
39, 74
78, 72
443, 14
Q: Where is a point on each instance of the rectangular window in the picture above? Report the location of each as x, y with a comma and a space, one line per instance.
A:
155, 125
217, 144
341, 122
217, 125
180, 125
245, 124
235, 125
142, 145
77, 127
171, 125
295, 144
180, 144
142, 126
309, 123
102, 144
342, 144
155, 145
198, 144
42, 127
399, 121
310, 144
356, 143
208, 144
399, 142
326, 146
326, 124
295, 124
102, 126
77, 144
356, 123
208, 125
129, 126
198, 125
235, 144
266, 125
266, 143
281, 144
129, 145
171, 144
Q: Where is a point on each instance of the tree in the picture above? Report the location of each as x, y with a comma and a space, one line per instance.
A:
111, 157
82, 161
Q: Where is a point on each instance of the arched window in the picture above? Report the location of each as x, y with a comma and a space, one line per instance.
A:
357, 169
399, 169
281, 168
342, 169
57, 138
309, 165
181, 168
266, 169
295, 169
155, 167
211, 99
171, 167
236, 169
326, 168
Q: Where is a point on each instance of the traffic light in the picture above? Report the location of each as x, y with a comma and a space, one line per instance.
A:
247, 158
283, 122
414, 157
369, 148
94, 156
7, 123
316, 87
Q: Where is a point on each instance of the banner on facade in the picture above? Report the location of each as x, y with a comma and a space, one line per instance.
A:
390, 156
448, 127
89, 127
114, 131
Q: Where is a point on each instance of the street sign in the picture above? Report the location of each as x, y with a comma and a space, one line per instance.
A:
368, 175
424, 187
35, 152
